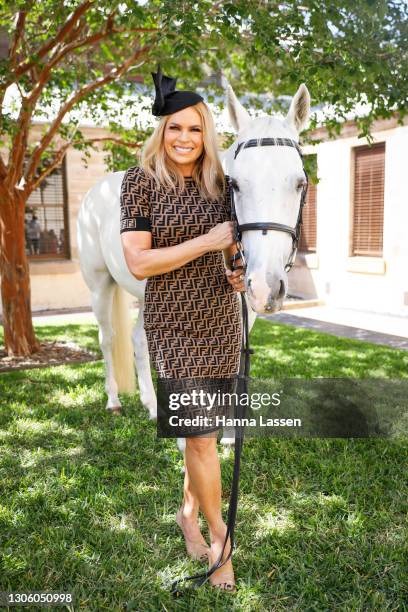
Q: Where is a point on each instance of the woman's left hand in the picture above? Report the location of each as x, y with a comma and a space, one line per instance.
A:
236, 279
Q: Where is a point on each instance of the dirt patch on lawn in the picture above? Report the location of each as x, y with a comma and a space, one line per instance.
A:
50, 354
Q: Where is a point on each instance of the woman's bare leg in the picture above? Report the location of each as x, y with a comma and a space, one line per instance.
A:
204, 471
187, 519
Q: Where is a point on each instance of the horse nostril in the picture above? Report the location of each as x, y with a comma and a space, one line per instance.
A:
281, 290
249, 282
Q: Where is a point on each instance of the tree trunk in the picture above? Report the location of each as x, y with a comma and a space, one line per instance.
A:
19, 336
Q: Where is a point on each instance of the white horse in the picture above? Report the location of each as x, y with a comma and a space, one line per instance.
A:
268, 179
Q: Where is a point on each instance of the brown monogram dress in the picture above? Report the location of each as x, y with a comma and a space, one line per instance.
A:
192, 315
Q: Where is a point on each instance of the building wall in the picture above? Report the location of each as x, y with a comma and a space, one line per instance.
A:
364, 283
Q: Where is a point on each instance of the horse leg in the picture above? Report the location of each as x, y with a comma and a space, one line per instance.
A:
102, 300
142, 361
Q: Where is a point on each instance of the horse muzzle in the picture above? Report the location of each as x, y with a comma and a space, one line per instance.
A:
266, 293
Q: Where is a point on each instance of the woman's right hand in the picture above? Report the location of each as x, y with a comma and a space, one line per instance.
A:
220, 236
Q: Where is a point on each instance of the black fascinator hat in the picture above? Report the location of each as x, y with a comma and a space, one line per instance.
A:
168, 100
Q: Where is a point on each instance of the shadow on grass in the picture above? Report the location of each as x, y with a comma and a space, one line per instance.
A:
85, 335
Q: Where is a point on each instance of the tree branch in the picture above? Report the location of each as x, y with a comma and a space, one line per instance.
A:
59, 155
132, 145
113, 75
91, 40
28, 104
75, 32
17, 36
18, 147
42, 79
56, 161
63, 32
70, 32
3, 169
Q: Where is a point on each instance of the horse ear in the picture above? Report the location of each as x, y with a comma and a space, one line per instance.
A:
299, 110
239, 116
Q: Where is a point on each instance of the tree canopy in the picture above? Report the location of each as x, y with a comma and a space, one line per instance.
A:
67, 54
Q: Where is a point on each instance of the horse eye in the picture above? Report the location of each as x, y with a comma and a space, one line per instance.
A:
300, 184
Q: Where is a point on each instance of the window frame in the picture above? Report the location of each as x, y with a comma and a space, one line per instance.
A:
66, 255
351, 247
301, 250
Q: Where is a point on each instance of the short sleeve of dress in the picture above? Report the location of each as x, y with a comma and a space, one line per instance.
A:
135, 195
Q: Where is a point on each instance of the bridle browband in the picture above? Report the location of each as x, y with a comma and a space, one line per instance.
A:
269, 225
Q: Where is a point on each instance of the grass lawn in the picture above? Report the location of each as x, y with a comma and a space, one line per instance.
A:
88, 501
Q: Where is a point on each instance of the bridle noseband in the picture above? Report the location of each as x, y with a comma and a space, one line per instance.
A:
268, 225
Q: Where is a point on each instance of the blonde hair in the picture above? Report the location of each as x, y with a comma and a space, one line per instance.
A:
208, 173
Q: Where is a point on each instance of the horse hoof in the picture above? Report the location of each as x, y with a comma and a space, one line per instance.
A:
116, 410
151, 409
227, 442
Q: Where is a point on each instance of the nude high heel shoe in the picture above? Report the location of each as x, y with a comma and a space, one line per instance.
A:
195, 549
223, 578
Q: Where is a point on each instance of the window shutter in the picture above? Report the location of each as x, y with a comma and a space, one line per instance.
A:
49, 203
368, 205
50, 192
308, 234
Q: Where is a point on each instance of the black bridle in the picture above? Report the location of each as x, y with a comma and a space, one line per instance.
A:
246, 351
269, 225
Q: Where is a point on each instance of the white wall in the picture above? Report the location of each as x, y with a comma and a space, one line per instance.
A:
369, 283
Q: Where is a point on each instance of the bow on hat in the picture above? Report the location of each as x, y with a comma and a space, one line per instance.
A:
164, 85
168, 100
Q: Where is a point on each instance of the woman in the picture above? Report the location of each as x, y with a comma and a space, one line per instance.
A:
176, 232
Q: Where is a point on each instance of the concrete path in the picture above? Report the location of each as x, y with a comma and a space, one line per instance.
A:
396, 325
389, 330
65, 318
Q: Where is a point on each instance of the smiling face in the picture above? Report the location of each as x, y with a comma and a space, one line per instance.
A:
183, 139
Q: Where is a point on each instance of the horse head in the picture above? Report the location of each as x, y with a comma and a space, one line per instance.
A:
268, 182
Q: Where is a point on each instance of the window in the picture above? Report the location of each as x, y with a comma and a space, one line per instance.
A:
307, 243
368, 201
46, 218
